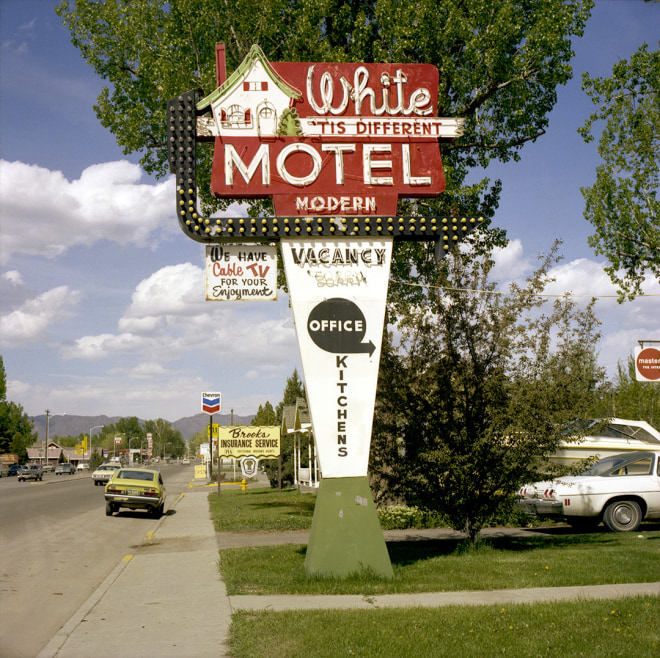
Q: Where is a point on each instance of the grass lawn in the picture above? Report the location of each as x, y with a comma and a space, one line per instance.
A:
626, 627
445, 566
261, 509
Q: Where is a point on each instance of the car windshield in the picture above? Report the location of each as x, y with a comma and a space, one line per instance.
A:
616, 464
135, 475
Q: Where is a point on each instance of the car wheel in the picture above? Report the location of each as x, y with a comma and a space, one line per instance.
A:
109, 509
623, 516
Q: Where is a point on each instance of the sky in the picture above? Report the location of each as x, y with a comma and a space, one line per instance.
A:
102, 297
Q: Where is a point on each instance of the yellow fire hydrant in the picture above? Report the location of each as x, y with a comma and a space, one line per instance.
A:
244, 484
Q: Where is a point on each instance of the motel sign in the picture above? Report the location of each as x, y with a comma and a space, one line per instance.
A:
334, 145
327, 138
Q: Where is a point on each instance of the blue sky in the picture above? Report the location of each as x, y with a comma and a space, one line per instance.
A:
102, 296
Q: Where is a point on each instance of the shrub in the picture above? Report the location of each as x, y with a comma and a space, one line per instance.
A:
400, 517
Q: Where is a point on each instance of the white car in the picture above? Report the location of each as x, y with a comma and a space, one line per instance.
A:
104, 472
620, 490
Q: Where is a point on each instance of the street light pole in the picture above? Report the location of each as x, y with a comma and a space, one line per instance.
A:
48, 415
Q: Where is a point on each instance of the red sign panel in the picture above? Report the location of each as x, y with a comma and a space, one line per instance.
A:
327, 138
647, 364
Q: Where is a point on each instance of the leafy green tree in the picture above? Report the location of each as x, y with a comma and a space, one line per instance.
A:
129, 429
164, 435
196, 440
265, 416
293, 390
499, 64
623, 205
16, 429
473, 397
631, 399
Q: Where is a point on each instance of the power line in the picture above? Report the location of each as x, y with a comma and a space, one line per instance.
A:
505, 292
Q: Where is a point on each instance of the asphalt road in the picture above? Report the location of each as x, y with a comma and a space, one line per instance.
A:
57, 546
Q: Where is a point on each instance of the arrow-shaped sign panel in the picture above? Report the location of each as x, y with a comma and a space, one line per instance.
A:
338, 290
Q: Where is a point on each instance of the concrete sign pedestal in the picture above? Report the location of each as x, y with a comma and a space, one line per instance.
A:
346, 536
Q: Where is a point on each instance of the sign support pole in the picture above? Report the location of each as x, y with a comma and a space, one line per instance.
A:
338, 291
210, 468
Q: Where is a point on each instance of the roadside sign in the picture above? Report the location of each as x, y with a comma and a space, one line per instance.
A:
647, 364
211, 403
241, 273
249, 441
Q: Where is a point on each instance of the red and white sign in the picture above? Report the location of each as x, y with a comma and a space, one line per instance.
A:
118, 440
327, 138
211, 403
338, 290
647, 364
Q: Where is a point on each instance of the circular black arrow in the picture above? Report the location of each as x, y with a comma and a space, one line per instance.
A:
338, 326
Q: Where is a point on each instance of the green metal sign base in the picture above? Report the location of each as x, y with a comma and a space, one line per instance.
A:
346, 536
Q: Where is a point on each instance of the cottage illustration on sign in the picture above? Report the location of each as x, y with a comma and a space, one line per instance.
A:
252, 102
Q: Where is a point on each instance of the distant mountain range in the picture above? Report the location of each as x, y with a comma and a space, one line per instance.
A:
75, 425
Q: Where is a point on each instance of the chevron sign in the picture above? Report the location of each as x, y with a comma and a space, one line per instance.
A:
211, 403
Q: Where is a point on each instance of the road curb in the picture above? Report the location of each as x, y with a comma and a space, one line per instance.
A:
51, 650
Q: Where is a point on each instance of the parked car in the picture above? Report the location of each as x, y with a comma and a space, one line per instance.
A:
13, 469
135, 488
104, 472
48, 468
65, 469
30, 472
83, 466
620, 490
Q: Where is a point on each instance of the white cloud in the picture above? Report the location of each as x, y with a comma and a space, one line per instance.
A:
14, 277
107, 345
45, 214
169, 319
31, 321
581, 278
509, 262
149, 370
173, 290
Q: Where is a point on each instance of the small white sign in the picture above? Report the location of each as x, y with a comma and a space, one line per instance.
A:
249, 466
241, 273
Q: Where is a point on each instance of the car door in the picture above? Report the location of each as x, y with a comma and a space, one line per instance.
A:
642, 478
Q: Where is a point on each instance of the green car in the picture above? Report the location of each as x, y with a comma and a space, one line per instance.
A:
135, 488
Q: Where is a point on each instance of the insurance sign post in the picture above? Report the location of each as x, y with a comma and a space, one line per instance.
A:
334, 146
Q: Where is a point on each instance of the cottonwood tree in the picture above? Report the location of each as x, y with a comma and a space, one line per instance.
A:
628, 398
622, 204
162, 434
499, 64
16, 429
476, 388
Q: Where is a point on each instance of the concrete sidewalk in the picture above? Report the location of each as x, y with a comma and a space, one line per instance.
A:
165, 600
168, 599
